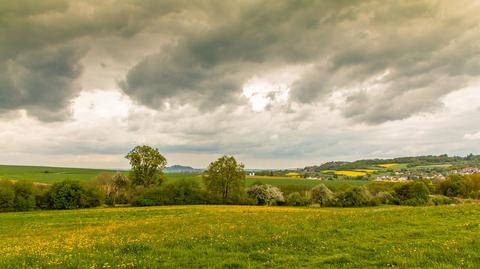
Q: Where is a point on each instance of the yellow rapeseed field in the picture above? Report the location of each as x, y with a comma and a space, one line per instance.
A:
346, 173
387, 165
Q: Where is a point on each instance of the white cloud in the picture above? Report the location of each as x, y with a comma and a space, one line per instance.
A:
472, 136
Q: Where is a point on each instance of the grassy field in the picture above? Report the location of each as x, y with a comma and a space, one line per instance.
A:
243, 237
282, 181
55, 174
47, 174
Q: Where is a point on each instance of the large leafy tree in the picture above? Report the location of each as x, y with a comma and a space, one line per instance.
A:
147, 164
225, 178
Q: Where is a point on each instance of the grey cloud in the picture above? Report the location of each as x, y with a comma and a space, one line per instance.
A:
427, 49
41, 82
179, 79
42, 44
208, 68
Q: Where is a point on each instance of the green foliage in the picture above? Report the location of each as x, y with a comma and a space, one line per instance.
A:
295, 199
71, 194
147, 164
180, 192
225, 178
416, 193
7, 196
385, 197
321, 195
452, 186
354, 197
441, 200
24, 196
183, 191
475, 195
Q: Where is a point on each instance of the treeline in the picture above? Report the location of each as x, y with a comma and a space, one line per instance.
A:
222, 183
455, 189
25, 196
412, 161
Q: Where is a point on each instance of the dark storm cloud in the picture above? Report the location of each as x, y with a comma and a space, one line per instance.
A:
413, 52
42, 82
400, 57
43, 42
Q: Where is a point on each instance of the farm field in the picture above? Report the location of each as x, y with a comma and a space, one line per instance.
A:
55, 174
282, 181
243, 237
47, 174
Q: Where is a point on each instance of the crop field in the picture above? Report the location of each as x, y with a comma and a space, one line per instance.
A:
347, 173
47, 174
243, 237
55, 174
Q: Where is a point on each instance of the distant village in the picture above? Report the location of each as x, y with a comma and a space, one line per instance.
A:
411, 175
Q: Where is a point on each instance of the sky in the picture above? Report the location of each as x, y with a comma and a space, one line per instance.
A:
277, 84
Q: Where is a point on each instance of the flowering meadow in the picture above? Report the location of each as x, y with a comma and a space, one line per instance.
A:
243, 237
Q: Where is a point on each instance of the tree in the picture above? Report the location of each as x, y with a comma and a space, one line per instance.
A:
321, 195
265, 194
147, 164
354, 197
225, 178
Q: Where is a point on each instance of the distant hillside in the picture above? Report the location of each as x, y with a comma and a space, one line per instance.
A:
471, 159
181, 169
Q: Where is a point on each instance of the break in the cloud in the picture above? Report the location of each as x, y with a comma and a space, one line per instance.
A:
279, 83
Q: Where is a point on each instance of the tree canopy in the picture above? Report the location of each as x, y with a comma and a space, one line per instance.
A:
147, 164
225, 178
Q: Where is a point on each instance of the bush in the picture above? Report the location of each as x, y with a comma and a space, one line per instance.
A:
24, 198
321, 195
441, 200
387, 198
354, 197
180, 192
7, 196
71, 194
295, 199
475, 195
265, 194
416, 193
451, 187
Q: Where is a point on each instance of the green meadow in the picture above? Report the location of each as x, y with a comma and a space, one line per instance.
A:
46, 174
243, 237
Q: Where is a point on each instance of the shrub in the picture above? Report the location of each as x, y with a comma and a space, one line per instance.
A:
24, 197
295, 199
7, 196
441, 200
93, 196
354, 197
71, 194
179, 192
470, 184
475, 195
451, 187
265, 194
321, 195
385, 197
416, 193
183, 191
